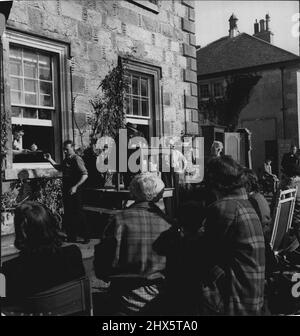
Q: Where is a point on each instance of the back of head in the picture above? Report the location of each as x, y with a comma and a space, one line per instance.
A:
251, 181
146, 187
35, 228
224, 174
68, 142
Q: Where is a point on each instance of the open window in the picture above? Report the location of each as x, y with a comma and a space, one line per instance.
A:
38, 99
32, 84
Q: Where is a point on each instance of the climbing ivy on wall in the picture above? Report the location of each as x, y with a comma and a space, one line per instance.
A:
109, 105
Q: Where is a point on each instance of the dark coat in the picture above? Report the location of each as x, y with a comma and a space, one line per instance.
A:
28, 275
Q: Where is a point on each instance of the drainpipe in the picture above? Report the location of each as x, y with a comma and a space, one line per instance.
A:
283, 107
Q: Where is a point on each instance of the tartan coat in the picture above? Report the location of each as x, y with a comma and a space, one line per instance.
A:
234, 252
125, 251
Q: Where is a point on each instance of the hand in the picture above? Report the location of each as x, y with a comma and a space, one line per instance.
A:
73, 190
47, 156
25, 151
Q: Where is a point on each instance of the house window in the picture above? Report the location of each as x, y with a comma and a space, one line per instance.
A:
218, 90
39, 99
32, 88
204, 91
143, 98
138, 96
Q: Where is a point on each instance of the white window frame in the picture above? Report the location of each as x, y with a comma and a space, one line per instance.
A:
155, 121
63, 105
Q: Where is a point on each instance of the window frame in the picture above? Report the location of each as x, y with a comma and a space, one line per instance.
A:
148, 70
63, 122
208, 90
214, 91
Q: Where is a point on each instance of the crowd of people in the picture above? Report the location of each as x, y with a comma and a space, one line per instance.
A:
210, 260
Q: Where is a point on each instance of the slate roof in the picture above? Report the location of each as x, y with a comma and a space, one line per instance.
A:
242, 51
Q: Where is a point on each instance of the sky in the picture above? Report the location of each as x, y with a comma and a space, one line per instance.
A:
212, 20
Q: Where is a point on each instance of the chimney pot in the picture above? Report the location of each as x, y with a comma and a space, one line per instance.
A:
256, 27
262, 25
233, 29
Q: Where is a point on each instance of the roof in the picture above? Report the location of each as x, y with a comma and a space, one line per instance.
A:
242, 51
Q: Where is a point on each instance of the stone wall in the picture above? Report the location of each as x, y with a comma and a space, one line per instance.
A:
100, 31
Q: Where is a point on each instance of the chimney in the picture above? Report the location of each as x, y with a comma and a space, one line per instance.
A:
262, 25
262, 30
256, 27
267, 22
233, 30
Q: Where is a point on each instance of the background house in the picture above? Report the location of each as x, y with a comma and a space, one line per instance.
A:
271, 109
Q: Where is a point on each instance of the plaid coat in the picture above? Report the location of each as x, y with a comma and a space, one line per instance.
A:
234, 249
125, 251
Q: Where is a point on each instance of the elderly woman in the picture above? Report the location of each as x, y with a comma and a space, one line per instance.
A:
125, 256
42, 263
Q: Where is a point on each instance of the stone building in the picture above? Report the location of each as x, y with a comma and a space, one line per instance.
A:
272, 112
55, 54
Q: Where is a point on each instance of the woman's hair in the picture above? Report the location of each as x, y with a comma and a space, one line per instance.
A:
36, 229
251, 181
224, 174
146, 187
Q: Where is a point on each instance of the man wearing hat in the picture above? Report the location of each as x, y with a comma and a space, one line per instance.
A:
125, 256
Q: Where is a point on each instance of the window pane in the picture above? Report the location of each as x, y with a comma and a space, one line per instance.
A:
30, 70
15, 97
29, 113
15, 68
16, 83
30, 85
30, 64
204, 91
46, 100
45, 114
45, 88
135, 105
30, 99
144, 87
15, 61
135, 85
145, 108
45, 67
16, 111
